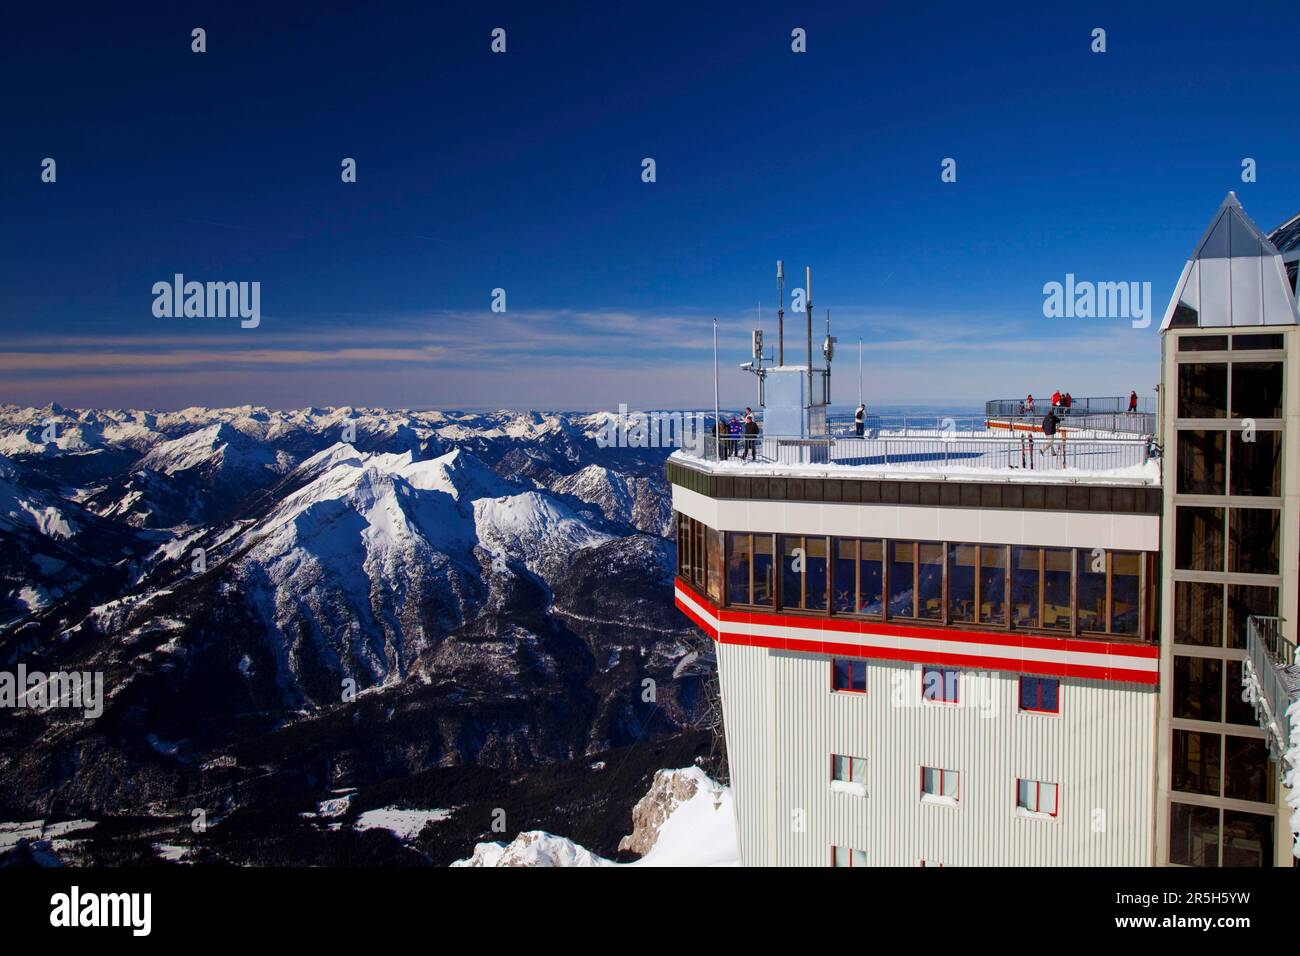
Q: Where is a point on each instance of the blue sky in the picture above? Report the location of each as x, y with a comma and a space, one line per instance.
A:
522, 171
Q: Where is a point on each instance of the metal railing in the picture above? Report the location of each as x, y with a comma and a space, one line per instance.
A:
1268, 632
930, 449
1104, 405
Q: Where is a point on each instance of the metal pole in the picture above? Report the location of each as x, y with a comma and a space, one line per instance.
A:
859, 372
808, 290
717, 413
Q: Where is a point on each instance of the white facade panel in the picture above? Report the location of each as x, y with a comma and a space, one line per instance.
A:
1099, 750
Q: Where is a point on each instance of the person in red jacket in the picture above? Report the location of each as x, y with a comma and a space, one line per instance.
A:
1056, 398
1133, 401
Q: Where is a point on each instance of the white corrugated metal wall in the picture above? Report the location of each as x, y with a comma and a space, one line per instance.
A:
1098, 750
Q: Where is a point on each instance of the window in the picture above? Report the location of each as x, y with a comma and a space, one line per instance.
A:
1125, 592
1243, 601
1026, 575
739, 553
993, 584
939, 786
1201, 462
902, 579
1198, 688
1247, 839
844, 856
1202, 343
1193, 835
1248, 773
939, 684
1198, 613
1257, 390
713, 562
848, 769
1269, 341
1203, 390
1257, 465
929, 586
1058, 564
803, 572
1198, 539
844, 576
1040, 695
962, 560
849, 675
1092, 589
1196, 761
1034, 796
764, 587
1238, 711
1252, 540
871, 568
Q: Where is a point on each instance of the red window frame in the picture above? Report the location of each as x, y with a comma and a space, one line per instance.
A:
848, 855
1037, 801
940, 771
853, 664
1020, 695
943, 684
850, 759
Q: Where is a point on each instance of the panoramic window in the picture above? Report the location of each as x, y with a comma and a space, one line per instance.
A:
962, 562
1125, 592
993, 584
902, 579
929, 588
739, 554
871, 571
1058, 567
1092, 590
844, 576
1026, 575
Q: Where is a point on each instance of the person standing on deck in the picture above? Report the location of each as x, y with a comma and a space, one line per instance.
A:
859, 419
1050, 421
751, 437
1056, 398
1029, 404
722, 439
1133, 401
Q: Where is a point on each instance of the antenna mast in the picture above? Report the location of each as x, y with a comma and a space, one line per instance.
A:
780, 312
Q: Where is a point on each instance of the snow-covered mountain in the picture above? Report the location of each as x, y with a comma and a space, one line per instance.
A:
344, 595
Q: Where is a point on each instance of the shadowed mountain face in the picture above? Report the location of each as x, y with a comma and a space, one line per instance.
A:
285, 603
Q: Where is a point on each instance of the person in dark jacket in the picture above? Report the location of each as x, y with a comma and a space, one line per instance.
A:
722, 439
1050, 421
859, 419
751, 439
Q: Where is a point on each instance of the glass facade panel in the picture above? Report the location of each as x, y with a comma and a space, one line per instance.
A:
1248, 772
1247, 839
1196, 762
1198, 613
1125, 592
1238, 711
1256, 389
1253, 540
1198, 539
713, 562
792, 562
1203, 390
1243, 601
1193, 835
1202, 462
1257, 465
1198, 688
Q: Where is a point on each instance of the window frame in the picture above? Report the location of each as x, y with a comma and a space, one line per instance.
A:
1037, 785
852, 662
1020, 695
955, 700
